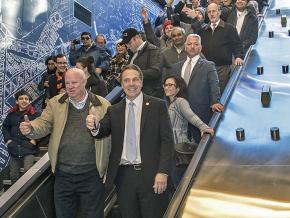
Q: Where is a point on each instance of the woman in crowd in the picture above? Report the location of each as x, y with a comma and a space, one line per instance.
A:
94, 83
20, 148
180, 115
116, 64
44, 83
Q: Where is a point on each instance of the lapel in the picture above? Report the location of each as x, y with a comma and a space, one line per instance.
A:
245, 22
145, 109
180, 67
122, 115
140, 52
195, 69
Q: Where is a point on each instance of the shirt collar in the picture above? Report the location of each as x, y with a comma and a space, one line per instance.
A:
141, 46
137, 101
194, 59
216, 23
81, 104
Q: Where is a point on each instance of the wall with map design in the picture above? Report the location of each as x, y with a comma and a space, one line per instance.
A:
32, 30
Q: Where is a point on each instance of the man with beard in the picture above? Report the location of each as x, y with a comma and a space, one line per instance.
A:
176, 52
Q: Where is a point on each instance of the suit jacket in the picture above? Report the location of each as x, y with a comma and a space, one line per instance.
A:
169, 57
222, 45
203, 87
249, 31
156, 142
148, 59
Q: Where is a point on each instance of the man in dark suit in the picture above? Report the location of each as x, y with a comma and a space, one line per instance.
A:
142, 149
202, 80
147, 57
221, 42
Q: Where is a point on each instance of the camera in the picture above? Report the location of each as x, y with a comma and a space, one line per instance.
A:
76, 41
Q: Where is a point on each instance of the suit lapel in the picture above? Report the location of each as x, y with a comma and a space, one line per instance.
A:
180, 68
145, 109
122, 115
195, 69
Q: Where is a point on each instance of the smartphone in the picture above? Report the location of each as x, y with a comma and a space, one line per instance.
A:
189, 5
175, 18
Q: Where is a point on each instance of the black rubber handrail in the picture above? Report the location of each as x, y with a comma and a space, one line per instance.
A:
25, 182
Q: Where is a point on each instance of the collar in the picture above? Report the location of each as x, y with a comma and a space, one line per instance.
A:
244, 12
216, 23
141, 46
194, 59
92, 97
137, 101
86, 49
220, 23
80, 104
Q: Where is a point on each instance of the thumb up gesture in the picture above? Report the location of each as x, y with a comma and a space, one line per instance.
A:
25, 126
92, 120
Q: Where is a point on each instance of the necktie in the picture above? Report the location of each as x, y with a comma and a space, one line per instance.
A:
187, 72
213, 27
131, 150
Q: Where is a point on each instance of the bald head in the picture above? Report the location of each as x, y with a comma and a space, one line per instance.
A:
214, 13
76, 71
75, 83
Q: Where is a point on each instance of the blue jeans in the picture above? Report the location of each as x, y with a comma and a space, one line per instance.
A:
78, 193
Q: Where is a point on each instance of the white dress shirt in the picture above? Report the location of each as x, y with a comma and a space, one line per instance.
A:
138, 102
240, 20
214, 25
193, 63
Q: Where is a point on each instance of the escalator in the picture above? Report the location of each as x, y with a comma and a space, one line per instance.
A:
32, 194
247, 178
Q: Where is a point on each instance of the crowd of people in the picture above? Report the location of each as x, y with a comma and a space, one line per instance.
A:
187, 62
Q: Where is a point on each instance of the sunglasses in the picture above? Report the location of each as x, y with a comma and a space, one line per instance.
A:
85, 38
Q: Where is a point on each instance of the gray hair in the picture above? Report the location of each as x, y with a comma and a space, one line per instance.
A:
195, 36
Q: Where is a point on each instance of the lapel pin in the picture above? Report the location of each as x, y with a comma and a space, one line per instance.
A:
147, 103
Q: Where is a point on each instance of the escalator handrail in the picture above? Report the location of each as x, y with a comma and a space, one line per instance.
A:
10, 197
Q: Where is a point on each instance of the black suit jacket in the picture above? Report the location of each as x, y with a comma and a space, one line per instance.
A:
148, 59
156, 142
203, 87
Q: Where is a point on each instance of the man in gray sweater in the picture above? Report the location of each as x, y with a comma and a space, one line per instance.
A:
78, 161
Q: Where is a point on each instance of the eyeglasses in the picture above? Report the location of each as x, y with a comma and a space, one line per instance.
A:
85, 38
63, 63
169, 85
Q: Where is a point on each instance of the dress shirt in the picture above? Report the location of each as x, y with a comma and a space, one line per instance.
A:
240, 20
136, 53
81, 104
138, 102
214, 25
193, 62
179, 50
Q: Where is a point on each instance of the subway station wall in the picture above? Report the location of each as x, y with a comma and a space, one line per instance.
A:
32, 30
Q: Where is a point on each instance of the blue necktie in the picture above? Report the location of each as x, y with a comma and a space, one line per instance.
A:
131, 150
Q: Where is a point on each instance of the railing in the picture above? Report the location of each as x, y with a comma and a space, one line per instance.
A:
195, 164
25, 187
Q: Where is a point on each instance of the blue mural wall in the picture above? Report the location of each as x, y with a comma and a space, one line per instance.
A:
32, 30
